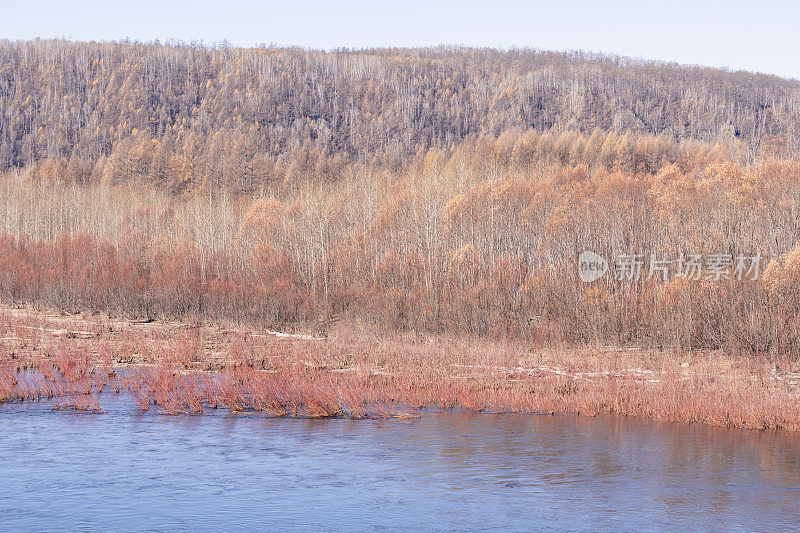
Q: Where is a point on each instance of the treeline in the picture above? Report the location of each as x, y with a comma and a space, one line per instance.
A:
454, 243
187, 117
446, 190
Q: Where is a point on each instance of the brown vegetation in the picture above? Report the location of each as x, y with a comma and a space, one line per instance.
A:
186, 117
478, 242
177, 368
433, 201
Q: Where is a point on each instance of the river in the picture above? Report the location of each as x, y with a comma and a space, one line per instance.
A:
125, 470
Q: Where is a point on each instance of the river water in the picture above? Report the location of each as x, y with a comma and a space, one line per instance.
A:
124, 470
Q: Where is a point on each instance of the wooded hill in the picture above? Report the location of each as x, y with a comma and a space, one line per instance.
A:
185, 116
445, 190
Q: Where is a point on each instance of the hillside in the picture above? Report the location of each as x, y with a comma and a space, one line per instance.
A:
447, 191
184, 116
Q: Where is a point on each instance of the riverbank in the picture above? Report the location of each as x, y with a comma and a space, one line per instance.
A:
72, 361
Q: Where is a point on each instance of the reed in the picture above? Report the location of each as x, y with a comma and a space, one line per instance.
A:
358, 372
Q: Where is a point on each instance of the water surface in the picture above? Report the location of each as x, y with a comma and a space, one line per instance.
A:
125, 470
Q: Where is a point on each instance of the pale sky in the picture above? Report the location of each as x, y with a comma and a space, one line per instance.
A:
762, 36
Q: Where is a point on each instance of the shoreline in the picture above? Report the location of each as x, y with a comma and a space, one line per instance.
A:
356, 372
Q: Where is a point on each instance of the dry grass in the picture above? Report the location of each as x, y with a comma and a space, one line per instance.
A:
189, 368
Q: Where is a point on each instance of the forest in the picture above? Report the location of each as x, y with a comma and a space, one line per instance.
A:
183, 117
443, 191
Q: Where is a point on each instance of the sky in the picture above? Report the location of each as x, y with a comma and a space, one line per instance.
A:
760, 36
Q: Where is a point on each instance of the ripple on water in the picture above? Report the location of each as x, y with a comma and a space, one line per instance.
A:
130, 470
